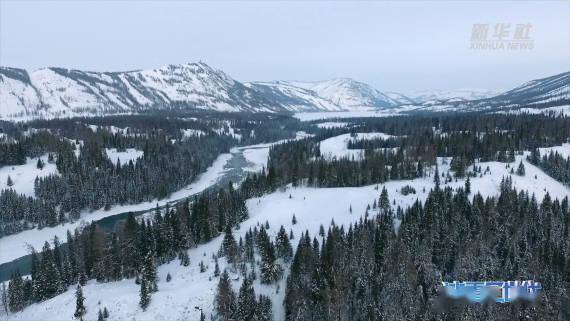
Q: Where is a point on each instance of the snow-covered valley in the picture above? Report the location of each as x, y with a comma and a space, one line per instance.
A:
191, 291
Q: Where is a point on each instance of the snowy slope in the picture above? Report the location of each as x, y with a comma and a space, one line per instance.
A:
337, 147
59, 92
293, 98
539, 91
563, 150
190, 289
424, 96
349, 93
401, 99
23, 176
536, 96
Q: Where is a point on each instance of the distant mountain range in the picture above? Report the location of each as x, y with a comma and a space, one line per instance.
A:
59, 92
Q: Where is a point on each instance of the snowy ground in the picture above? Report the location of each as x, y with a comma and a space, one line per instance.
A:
559, 110
227, 129
332, 124
111, 129
130, 154
23, 176
257, 155
344, 114
563, 150
192, 132
337, 147
312, 207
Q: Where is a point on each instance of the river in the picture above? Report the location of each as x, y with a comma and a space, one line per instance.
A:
235, 169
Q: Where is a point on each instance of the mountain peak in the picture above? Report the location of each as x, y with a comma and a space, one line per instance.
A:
350, 93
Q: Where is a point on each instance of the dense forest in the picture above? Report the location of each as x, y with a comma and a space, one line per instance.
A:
370, 272
132, 251
88, 179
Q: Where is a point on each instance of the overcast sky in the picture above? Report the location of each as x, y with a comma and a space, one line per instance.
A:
393, 46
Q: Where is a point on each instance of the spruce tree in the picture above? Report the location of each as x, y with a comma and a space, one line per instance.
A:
247, 305
80, 309
16, 293
225, 300
521, 169
283, 245
144, 295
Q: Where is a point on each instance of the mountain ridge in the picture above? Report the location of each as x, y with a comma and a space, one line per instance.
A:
54, 92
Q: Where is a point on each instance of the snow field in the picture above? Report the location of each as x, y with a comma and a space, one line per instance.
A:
23, 176
332, 124
130, 154
563, 150
308, 116
337, 147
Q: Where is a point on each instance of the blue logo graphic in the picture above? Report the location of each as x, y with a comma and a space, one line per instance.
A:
500, 291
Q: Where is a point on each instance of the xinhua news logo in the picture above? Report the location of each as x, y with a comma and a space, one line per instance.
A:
502, 37
498, 291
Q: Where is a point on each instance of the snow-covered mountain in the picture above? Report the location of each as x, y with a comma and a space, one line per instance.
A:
58, 92
292, 97
400, 99
430, 96
349, 93
539, 93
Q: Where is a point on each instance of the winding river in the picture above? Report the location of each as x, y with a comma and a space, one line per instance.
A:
235, 169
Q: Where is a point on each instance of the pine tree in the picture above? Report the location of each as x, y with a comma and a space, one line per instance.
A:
105, 313
468, 186
184, 258
247, 304
100, 316
521, 169
144, 295
283, 245
229, 246
225, 300
16, 293
9, 181
384, 202
216, 269
80, 309
436, 177
148, 272
40, 164
263, 312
